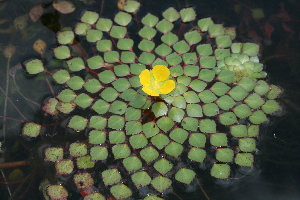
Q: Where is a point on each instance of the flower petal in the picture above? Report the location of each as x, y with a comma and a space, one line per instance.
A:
145, 78
160, 72
167, 87
150, 92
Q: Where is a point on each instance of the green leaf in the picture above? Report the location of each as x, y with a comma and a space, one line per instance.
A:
225, 102
163, 166
207, 96
106, 76
78, 149
215, 30
104, 45
123, 18
169, 38
34, 66
89, 17
146, 45
121, 84
198, 85
270, 107
190, 123
220, 88
131, 6
31, 129
61, 76
132, 163
207, 75
98, 122
62, 52
77, 123
93, 35
192, 37
165, 123
197, 139
101, 106
97, 137
194, 110
125, 44
247, 144
132, 114
190, 70
150, 129
164, 26
197, 154
53, 154
138, 141
75, 83
176, 114
223, 41
111, 57
65, 37
238, 130
161, 183
159, 109
221, 171
137, 101
118, 32
120, 191
258, 117
121, 151
171, 14
140, 179
187, 14
149, 20
261, 87
254, 101
133, 127
274, 92
122, 70
149, 154
82, 28
210, 109
146, 58
163, 50
238, 93
75, 64
224, 154
104, 24
185, 176
116, 122
227, 118
218, 139
83, 100
244, 159
250, 49
181, 47
207, 126
92, 85
174, 149
84, 162
174, 59
204, 49
147, 32
247, 83
205, 23
179, 135
160, 141
226, 76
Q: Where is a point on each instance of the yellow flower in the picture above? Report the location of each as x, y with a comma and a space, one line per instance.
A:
156, 81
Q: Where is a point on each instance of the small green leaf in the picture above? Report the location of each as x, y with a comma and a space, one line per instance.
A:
165, 123
164, 26
149, 154
120, 191
34, 66
174, 149
104, 24
161, 183
171, 14
218, 139
244, 159
160, 140
62, 52
224, 154
227, 118
205, 23
150, 20
185, 176
221, 171
270, 107
188, 14
197, 154
123, 18
207, 126
89, 17
169, 38
121, 151
140, 179
163, 166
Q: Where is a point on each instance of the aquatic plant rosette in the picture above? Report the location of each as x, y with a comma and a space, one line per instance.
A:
142, 108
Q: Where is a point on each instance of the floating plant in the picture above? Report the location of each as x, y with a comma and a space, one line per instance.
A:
143, 105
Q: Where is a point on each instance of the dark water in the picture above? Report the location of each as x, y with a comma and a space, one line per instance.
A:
276, 172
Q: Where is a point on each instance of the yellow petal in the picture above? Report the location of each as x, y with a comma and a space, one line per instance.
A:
167, 87
160, 72
150, 92
145, 78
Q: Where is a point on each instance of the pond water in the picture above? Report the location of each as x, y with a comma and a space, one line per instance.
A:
275, 174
